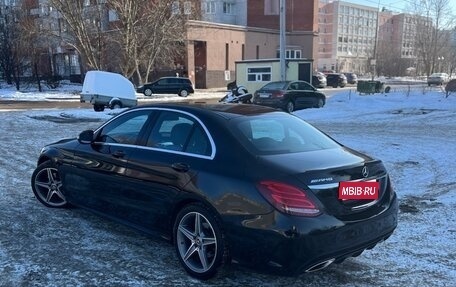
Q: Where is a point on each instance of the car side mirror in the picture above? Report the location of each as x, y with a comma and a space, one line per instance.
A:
86, 137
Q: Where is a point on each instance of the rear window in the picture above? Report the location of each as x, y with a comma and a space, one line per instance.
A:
275, 86
279, 133
184, 81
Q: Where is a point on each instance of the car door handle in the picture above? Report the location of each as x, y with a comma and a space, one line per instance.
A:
118, 154
181, 167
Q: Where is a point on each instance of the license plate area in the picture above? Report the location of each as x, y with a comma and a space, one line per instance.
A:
359, 190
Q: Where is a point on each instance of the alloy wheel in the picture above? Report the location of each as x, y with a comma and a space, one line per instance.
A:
290, 107
197, 242
48, 187
183, 93
148, 92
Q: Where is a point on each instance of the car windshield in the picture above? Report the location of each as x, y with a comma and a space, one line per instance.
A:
438, 75
275, 86
279, 133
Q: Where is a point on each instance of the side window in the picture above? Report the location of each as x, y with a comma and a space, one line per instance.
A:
125, 129
293, 86
179, 132
198, 142
304, 86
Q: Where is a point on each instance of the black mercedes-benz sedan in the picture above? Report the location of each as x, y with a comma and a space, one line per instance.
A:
225, 183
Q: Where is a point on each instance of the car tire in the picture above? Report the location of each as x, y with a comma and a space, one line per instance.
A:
116, 105
47, 185
147, 92
183, 93
290, 107
98, 108
335, 86
199, 241
320, 103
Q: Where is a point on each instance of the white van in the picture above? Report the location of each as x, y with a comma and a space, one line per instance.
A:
105, 89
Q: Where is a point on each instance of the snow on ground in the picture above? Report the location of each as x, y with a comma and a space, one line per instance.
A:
70, 92
413, 133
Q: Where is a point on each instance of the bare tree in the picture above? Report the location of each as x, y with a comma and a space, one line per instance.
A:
15, 49
87, 23
435, 17
30, 35
386, 59
9, 32
150, 33
451, 56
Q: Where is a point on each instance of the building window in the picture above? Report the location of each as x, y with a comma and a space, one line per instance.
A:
291, 54
271, 7
175, 8
259, 74
228, 8
112, 15
210, 7
187, 8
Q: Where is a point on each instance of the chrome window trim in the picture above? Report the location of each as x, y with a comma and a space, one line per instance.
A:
209, 136
158, 149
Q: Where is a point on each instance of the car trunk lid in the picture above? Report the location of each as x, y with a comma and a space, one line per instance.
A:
321, 172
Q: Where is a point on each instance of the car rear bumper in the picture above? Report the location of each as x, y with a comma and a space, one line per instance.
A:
297, 244
278, 104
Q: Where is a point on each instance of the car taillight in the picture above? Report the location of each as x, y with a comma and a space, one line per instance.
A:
277, 94
288, 199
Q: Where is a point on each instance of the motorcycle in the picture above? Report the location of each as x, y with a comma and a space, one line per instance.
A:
238, 95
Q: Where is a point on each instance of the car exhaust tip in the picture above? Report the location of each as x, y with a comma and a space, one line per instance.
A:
320, 265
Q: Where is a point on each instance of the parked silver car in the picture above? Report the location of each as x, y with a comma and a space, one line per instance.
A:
438, 79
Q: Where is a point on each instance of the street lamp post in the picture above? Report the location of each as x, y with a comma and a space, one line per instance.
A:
440, 61
283, 68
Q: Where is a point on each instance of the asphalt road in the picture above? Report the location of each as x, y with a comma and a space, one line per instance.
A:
71, 103
40, 246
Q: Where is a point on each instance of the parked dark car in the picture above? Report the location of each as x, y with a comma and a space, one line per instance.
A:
226, 181
319, 81
352, 78
167, 85
336, 80
289, 96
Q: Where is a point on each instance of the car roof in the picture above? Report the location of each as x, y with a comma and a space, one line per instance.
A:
274, 82
226, 111
178, 78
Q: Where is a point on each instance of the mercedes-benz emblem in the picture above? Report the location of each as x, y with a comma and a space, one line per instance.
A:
365, 171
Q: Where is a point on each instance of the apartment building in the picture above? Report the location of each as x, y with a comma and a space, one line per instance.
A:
397, 40
232, 12
348, 34
226, 31
249, 31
